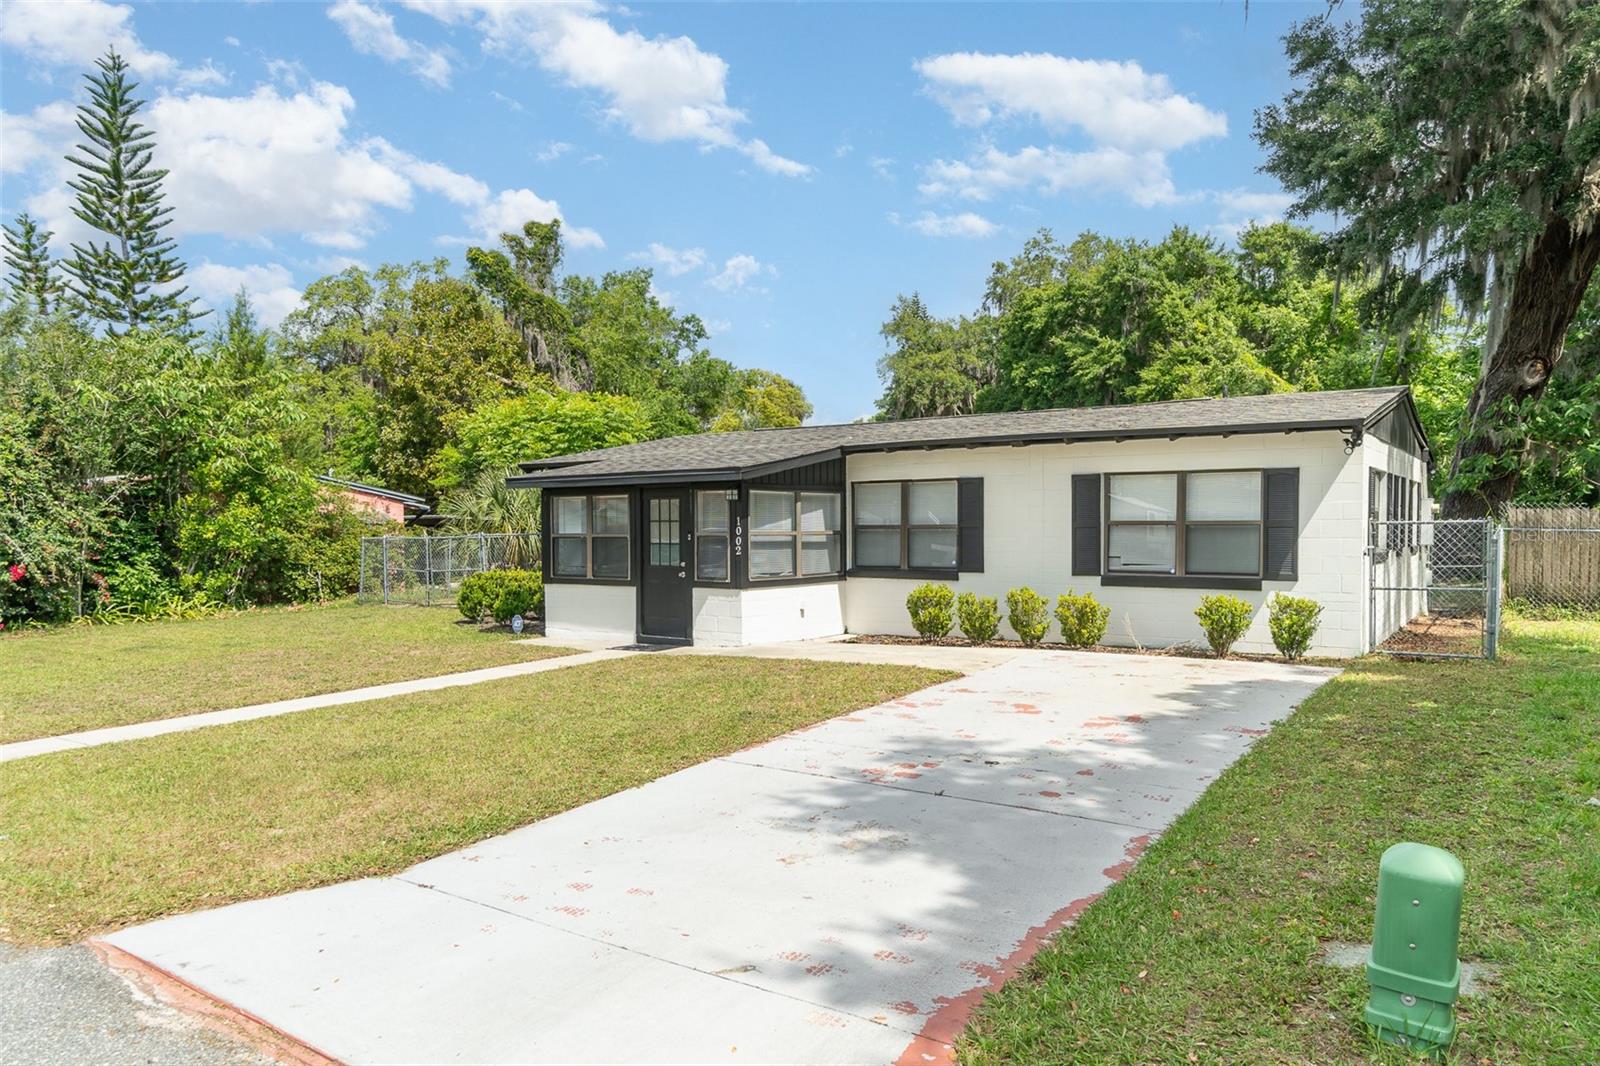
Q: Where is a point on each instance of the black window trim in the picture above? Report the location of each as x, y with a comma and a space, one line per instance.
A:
549, 505
905, 569
798, 535
1181, 576
731, 533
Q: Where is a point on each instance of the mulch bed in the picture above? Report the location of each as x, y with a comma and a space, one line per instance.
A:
1433, 634
1176, 651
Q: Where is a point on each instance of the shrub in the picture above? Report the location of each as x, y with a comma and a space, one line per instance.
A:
502, 594
1224, 619
1293, 621
1083, 619
521, 592
477, 594
980, 616
931, 608
1029, 615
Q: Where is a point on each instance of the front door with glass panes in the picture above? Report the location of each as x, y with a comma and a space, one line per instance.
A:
666, 596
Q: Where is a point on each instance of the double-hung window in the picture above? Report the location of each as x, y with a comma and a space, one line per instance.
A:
1203, 523
906, 525
589, 537
713, 559
793, 534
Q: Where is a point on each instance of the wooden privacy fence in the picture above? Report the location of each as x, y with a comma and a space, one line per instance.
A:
1553, 557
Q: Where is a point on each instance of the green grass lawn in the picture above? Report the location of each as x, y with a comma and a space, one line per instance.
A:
63, 681
1204, 953
102, 837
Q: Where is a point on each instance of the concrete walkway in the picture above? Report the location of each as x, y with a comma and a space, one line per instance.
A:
845, 893
91, 738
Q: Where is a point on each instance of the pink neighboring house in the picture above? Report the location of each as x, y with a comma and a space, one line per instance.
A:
384, 505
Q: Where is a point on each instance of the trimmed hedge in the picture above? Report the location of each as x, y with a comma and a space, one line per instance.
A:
980, 617
932, 610
1083, 619
501, 594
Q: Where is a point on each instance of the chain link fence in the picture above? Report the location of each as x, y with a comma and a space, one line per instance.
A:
428, 570
1552, 563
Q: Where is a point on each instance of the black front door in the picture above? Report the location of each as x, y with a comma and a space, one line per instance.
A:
665, 592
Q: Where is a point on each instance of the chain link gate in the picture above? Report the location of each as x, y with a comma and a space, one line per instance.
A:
1435, 587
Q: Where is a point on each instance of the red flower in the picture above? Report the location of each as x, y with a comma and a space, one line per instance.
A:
18, 571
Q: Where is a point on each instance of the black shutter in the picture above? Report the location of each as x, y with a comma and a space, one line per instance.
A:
969, 517
1281, 524
1085, 524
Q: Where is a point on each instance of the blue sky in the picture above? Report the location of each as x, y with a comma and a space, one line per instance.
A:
786, 169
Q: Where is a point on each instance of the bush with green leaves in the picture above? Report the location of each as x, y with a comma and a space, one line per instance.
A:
1083, 618
932, 608
1293, 621
1224, 619
979, 616
1029, 615
501, 594
521, 592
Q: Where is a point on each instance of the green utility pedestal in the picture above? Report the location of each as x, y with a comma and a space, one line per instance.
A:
1413, 970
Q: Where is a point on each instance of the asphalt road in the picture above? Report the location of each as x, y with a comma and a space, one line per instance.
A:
64, 1006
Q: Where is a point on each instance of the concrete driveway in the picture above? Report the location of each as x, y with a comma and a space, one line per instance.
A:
846, 893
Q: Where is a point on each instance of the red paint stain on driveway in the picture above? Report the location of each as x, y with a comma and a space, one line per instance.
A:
1049, 794
935, 1043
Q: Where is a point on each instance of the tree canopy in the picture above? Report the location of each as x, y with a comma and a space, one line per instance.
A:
1457, 146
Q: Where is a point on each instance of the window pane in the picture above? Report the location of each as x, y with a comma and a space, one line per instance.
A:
1222, 550
819, 511
610, 514
711, 557
932, 503
610, 556
878, 547
571, 557
569, 514
771, 556
1144, 497
1147, 549
712, 511
665, 533
1223, 497
878, 504
933, 548
819, 555
771, 512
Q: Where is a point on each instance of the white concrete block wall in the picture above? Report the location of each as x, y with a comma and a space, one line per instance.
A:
718, 619
730, 617
591, 612
1389, 610
1027, 524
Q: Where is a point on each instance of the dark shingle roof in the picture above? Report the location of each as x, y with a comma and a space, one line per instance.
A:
729, 456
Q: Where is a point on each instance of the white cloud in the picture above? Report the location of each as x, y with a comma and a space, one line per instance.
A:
964, 224
273, 161
553, 151
1116, 104
371, 32
675, 261
757, 151
272, 289
659, 88
77, 34
1143, 176
1239, 208
882, 166
512, 208
738, 271
1130, 118
716, 327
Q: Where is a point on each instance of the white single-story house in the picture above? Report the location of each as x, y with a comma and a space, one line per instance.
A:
779, 534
